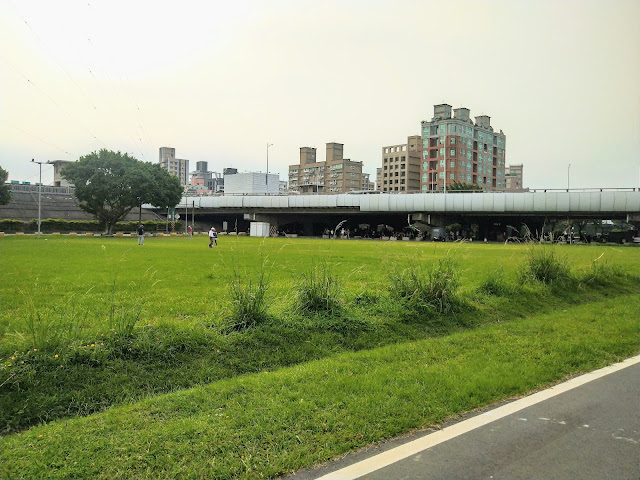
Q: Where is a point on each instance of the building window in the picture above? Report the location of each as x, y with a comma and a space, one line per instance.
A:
452, 152
425, 165
452, 176
442, 152
452, 164
442, 163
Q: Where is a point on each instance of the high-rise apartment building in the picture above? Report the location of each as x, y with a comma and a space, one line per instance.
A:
513, 175
175, 166
335, 175
457, 149
367, 184
212, 181
401, 166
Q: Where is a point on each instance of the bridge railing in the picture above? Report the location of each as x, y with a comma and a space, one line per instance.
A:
48, 189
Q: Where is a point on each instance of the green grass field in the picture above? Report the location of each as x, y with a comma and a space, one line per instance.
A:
131, 361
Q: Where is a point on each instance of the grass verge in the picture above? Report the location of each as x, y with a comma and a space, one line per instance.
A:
272, 423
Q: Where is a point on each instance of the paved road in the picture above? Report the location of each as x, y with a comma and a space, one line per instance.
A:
588, 431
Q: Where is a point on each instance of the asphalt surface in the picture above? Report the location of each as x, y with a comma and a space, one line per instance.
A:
591, 431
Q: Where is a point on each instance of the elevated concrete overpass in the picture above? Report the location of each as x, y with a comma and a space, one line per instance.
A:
313, 213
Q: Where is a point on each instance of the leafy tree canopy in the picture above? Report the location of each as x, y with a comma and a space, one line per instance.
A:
464, 187
109, 184
5, 193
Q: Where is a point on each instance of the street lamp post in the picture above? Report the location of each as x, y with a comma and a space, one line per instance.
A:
139, 211
186, 213
266, 177
568, 171
39, 195
445, 158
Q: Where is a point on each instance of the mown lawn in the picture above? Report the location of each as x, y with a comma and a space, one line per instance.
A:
89, 324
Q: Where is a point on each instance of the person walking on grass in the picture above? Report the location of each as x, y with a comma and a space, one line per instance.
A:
140, 235
213, 237
190, 232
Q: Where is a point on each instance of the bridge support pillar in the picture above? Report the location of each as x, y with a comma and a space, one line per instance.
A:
634, 219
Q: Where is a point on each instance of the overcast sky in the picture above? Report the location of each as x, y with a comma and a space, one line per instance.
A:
217, 80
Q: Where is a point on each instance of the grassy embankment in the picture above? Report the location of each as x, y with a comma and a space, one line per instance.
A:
186, 342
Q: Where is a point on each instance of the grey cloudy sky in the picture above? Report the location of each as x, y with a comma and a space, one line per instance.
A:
217, 80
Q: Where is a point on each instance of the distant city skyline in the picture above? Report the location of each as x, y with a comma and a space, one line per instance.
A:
218, 80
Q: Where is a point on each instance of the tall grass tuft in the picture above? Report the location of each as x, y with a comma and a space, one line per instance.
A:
496, 284
434, 288
249, 300
47, 328
319, 291
542, 265
601, 273
122, 318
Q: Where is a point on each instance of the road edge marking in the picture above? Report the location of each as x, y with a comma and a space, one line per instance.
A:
401, 452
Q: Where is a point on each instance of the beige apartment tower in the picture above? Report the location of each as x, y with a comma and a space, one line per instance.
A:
334, 175
177, 167
513, 177
400, 171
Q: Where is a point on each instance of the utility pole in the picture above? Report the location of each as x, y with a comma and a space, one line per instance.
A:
186, 213
445, 158
39, 195
266, 177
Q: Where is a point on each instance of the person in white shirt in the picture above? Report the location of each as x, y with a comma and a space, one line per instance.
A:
213, 237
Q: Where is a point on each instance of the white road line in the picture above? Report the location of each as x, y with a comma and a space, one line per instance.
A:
411, 448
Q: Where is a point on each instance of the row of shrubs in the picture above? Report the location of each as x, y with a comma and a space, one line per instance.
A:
50, 225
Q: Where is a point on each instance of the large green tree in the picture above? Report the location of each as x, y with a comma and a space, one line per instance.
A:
109, 184
5, 193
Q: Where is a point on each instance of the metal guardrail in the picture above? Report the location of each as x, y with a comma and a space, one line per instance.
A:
48, 189
70, 191
375, 192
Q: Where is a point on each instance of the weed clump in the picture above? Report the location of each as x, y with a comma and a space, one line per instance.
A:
249, 301
601, 274
319, 292
431, 289
366, 297
496, 284
542, 265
